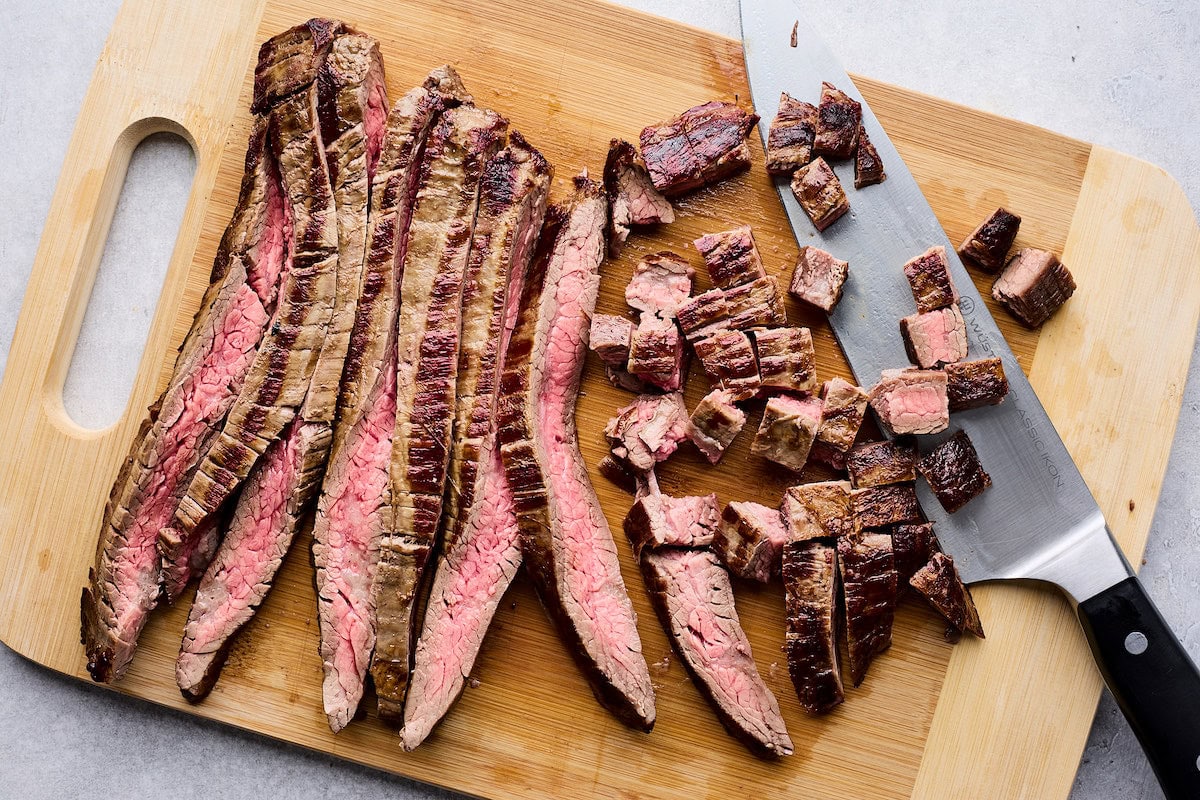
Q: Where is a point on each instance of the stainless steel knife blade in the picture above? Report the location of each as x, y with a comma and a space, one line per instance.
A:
1038, 520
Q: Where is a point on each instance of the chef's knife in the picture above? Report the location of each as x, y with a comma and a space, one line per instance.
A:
1039, 520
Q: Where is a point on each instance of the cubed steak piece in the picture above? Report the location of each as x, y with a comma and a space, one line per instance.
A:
1033, 286
731, 257
882, 464
940, 584
661, 282
648, 430
657, 520
702, 145
913, 544
788, 429
935, 338
704, 315
810, 589
693, 598
929, 278
880, 506
988, 245
817, 510
839, 119
729, 362
749, 539
869, 585
715, 423
618, 472
790, 140
656, 352
820, 193
757, 304
609, 338
911, 401
868, 166
786, 359
953, 472
818, 278
972, 384
844, 406
632, 198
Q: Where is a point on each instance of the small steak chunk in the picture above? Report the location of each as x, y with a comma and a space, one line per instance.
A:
929, 277
618, 471
731, 257
880, 506
839, 119
704, 314
819, 193
648, 430
656, 352
881, 464
988, 245
939, 582
729, 362
972, 384
789, 426
790, 141
786, 359
609, 338
715, 423
810, 586
869, 585
1033, 286
757, 304
658, 520
911, 401
817, 510
632, 198
702, 145
661, 282
913, 544
750, 540
868, 166
842, 414
819, 278
624, 379
935, 338
953, 472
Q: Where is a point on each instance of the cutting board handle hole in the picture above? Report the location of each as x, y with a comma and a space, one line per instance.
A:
147, 186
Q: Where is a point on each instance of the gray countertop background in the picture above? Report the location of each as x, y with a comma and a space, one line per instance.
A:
1120, 73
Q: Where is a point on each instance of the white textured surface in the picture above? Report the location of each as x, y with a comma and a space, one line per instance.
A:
1119, 72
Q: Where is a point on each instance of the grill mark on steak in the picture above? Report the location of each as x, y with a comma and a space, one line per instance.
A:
869, 584
702, 145
482, 548
715, 423
565, 538
426, 372
790, 139
810, 584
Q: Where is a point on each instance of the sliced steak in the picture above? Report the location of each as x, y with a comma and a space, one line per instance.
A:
702, 145
935, 338
749, 540
839, 121
988, 245
427, 344
565, 538
648, 430
715, 423
911, 401
731, 257
609, 338
632, 198
869, 585
703, 315
818, 278
1033, 286
790, 140
788, 430
482, 550
820, 193
729, 362
913, 544
939, 583
868, 166
350, 510
657, 520
880, 506
929, 278
757, 304
953, 472
973, 384
656, 352
882, 464
692, 595
817, 510
786, 359
810, 587
844, 406
661, 283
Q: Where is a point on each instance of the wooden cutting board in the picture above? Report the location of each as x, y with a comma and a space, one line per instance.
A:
1005, 717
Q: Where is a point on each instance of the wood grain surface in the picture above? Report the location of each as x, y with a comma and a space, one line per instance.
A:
1006, 717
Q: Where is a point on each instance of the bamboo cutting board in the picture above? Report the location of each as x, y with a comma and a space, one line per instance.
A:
1006, 717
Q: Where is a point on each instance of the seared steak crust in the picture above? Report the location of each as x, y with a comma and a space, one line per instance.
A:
939, 583
810, 584
988, 245
731, 257
880, 506
790, 140
1033, 286
702, 145
868, 167
881, 464
913, 544
972, 384
818, 510
715, 423
929, 278
869, 584
820, 193
786, 359
953, 472
839, 120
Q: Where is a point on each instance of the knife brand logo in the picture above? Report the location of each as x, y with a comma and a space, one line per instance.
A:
1040, 446
967, 306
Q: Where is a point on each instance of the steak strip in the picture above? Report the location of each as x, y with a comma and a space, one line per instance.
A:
810, 583
565, 538
482, 547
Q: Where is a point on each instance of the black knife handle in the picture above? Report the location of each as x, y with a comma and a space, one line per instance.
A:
1154, 681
